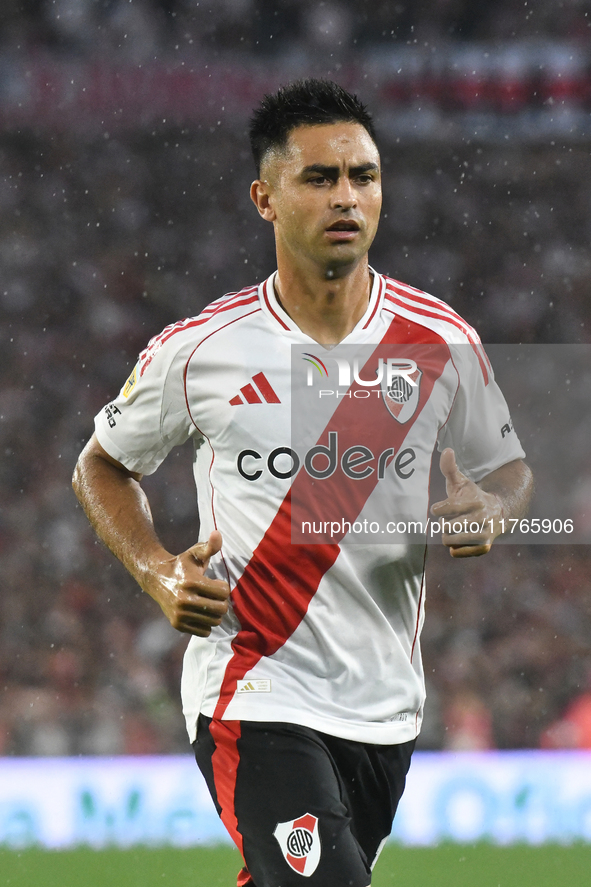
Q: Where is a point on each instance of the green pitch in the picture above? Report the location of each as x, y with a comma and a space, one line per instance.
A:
451, 865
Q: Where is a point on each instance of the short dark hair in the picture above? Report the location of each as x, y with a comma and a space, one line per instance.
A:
303, 103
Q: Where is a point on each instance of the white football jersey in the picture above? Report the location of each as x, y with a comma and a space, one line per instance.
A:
325, 635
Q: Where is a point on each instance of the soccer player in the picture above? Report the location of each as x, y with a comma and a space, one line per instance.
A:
302, 683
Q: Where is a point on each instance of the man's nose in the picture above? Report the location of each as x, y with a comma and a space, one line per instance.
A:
343, 195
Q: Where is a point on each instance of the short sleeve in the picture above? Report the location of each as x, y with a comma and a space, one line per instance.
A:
479, 427
149, 416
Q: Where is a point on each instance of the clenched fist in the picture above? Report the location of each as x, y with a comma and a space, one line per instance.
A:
191, 601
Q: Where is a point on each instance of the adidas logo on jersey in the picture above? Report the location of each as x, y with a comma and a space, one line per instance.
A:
260, 685
258, 390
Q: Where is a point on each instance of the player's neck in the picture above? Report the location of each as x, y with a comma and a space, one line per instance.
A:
325, 308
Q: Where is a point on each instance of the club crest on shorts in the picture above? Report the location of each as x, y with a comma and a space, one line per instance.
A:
300, 843
401, 396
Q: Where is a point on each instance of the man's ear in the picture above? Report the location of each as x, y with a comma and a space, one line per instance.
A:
260, 194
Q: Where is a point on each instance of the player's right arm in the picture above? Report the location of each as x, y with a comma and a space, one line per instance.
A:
118, 509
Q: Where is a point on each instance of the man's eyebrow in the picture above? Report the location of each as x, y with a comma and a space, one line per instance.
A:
332, 172
363, 167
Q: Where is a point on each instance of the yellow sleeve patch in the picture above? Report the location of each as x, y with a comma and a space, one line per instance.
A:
130, 384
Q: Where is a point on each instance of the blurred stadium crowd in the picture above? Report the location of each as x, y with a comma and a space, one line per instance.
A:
271, 26
106, 239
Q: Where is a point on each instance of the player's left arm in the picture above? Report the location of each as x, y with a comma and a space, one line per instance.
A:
501, 495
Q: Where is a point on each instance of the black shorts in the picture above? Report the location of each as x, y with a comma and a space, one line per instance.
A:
303, 808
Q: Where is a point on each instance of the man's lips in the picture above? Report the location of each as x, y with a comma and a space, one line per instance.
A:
343, 230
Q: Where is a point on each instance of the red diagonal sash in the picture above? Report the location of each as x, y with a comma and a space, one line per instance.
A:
274, 592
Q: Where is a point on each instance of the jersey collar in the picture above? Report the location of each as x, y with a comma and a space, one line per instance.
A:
280, 319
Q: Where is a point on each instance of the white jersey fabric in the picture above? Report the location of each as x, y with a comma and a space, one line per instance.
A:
325, 635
